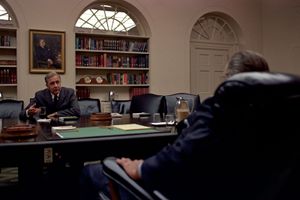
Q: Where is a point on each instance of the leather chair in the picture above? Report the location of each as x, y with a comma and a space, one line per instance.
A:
89, 106
120, 106
10, 108
257, 153
148, 103
193, 100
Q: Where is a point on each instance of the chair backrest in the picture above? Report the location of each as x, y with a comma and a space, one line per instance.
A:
193, 99
120, 106
10, 108
88, 106
149, 103
259, 141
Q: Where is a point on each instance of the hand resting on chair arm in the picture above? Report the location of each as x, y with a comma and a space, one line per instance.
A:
132, 167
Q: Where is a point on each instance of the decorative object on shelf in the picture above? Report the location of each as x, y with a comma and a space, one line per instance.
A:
92, 80
47, 51
111, 96
87, 79
99, 79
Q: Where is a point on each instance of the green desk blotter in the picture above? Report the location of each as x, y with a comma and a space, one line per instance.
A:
100, 132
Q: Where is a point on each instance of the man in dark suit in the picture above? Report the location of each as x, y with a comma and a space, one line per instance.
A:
157, 170
58, 101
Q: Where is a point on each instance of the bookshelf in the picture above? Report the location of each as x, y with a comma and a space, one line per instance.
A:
111, 62
8, 62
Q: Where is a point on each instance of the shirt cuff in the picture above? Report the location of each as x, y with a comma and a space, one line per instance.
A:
26, 111
140, 170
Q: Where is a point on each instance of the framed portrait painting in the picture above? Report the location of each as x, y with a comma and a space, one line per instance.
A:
47, 51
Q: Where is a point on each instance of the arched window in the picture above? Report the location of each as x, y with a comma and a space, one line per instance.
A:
111, 18
4, 15
7, 18
212, 28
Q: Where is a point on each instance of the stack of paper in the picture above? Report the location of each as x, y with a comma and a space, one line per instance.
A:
127, 127
62, 128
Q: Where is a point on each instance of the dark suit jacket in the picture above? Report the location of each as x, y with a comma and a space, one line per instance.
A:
161, 170
67, 104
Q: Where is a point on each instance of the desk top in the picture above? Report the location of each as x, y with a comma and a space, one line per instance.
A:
86, 130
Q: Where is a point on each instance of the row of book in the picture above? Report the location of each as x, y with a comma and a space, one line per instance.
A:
83, 92
8, 62
127, 78
110, 44
104, 60
134, 91
7, 40
8, 76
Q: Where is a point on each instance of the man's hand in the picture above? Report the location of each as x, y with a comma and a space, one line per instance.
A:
32, 110
131, 167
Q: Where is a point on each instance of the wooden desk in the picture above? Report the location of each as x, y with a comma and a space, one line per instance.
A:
35, 156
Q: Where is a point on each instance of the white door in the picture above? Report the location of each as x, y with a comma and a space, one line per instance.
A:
213, 40
207, 68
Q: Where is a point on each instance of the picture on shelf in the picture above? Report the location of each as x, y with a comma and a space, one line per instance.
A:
47, 51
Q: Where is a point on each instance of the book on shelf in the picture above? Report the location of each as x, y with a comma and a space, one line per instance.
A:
8, 62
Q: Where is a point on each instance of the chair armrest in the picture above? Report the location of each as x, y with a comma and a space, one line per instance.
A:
117, 174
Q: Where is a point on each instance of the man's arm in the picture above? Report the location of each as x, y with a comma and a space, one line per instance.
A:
192, 144
29, 111
73, 108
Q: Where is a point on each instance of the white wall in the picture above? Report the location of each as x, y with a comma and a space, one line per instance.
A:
170, 22
281, 34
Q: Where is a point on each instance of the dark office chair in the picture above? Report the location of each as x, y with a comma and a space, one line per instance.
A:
120, 106
256, 150
10, 108
193, 100
89, 106
148, 103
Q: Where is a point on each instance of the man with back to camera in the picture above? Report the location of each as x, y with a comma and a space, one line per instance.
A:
59, 101
157, 171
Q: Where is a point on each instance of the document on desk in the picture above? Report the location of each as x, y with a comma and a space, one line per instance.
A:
104, 131
127, 127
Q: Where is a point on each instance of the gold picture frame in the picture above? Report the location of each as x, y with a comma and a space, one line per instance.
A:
47, 51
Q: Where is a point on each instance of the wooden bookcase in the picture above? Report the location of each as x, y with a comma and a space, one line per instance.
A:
8, 62
111, 61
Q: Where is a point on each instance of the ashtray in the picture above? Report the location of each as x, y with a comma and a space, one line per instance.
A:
18, 131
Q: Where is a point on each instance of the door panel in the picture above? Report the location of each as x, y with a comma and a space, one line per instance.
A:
207, 68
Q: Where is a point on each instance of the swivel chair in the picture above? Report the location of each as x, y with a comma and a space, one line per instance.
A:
10, 108
88, 106
193, 100
253, 148
148, 103
120, 106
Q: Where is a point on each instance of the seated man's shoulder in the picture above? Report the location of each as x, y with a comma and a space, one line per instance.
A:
41, 92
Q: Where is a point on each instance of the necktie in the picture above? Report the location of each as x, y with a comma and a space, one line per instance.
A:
55, 99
